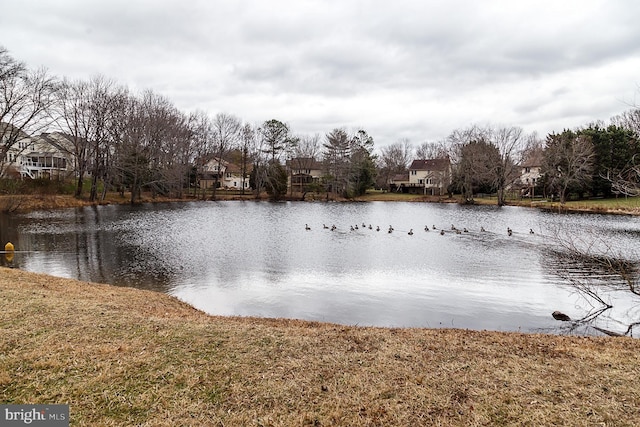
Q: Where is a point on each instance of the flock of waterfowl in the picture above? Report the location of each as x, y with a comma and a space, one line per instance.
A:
390, 230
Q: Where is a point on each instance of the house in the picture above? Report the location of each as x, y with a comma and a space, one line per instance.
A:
232, 177
49, 156
45, 156
223, 173
429, 177
530, 173
304, 171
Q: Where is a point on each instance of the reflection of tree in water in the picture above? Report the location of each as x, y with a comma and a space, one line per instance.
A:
595, 271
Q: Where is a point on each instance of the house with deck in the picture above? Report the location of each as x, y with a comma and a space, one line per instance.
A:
303, 172
430, 177
47, 156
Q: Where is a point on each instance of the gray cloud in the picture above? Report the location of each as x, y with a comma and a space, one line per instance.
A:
401, 69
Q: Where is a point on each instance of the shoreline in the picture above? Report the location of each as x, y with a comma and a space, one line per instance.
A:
27, 203
123, 356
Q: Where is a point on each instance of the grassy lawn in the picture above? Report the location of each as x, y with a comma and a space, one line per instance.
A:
121, 357
620, 203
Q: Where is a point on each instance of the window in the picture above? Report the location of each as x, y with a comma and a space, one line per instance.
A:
421, 181
414, 172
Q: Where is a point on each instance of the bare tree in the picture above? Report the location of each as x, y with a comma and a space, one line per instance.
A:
87, 111
168, 135
568, 162
9, 67
226, 132
570, 254
629, 120
400, 153
461, 137
476, 168
149, 133
247, 142
532, 144
178, 154
510, 144
73, 118
487, 157
305, 157
106, 98
259, 172
626, 181
202, 138
394, 159
26, 98
432, 150
474, 160
132, 158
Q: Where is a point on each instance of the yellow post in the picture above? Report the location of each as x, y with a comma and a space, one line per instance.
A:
9, 249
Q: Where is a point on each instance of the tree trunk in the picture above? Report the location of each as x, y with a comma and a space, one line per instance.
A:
80, 183
94, 188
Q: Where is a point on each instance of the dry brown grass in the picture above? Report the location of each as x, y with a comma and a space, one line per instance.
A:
31, 202
121, 356
400, 197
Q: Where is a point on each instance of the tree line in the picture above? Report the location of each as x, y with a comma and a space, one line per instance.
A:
133, 141
125, 140
597, 160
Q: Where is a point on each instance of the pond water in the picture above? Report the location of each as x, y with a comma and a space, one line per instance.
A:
258, 259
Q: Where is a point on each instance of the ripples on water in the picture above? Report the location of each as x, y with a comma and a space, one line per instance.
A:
257, 259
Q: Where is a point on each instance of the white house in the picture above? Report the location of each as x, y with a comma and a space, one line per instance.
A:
429, 177
48, 156
530, 173
232, 178
226, 174
44, 156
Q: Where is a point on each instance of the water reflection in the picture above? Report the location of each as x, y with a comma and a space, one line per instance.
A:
257, 259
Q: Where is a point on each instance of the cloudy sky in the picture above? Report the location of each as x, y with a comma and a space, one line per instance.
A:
398, 69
